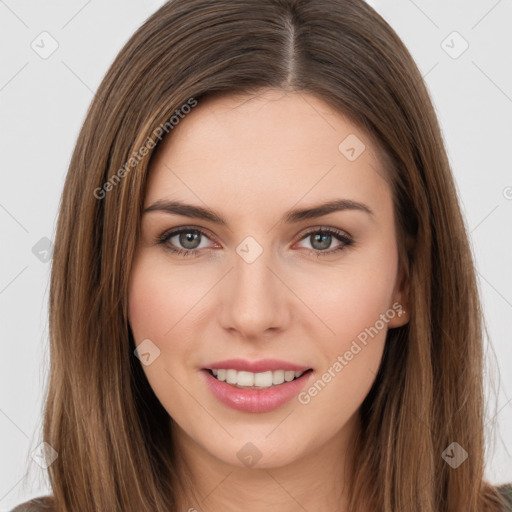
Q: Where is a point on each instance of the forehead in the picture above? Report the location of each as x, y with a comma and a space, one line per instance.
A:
272, 149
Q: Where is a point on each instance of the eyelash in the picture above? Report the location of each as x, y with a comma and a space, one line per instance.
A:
164, 238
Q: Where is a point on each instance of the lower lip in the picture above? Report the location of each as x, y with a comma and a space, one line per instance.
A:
255, 400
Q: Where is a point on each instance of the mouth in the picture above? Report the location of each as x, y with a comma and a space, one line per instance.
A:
260, 380
259, 392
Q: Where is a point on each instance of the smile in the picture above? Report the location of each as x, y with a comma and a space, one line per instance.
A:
264, 397
251, 380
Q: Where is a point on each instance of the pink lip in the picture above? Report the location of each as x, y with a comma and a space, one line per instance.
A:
255, 400
263, 365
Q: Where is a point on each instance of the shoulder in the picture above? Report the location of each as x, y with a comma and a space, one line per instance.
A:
41, 504
505, 491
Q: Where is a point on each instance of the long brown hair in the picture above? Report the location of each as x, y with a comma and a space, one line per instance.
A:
108, 428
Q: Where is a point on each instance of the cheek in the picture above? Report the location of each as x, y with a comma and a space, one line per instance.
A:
356, 306
147, 306
159, 313
154, 311
158, 299
354, 300
164, 307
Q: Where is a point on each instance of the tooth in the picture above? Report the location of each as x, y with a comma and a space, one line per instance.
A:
289, 375
260, 380
231, 376
245, 379
278, 377
263, 380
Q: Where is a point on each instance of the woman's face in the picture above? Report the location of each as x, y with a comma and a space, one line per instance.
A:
265, 283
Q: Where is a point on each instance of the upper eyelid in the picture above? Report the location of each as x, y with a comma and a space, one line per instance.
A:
169, 233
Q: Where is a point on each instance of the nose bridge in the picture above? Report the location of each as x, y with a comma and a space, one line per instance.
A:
255, 298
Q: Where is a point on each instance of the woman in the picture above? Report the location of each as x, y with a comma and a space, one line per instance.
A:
202, 356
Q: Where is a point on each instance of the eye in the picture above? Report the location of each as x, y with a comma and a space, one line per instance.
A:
321, 239
190, 240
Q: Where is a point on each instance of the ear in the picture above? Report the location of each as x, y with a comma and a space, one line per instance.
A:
400, 300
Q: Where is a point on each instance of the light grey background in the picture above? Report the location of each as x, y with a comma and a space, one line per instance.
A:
43, 103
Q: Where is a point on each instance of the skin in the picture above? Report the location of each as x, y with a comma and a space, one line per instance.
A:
251, 159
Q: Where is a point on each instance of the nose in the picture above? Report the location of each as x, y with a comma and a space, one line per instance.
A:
255, 299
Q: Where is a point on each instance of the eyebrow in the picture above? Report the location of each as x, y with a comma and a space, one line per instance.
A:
291, 217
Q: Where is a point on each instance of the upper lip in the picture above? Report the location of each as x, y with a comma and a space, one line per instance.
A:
262, 365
